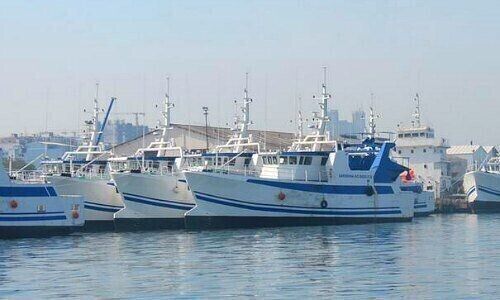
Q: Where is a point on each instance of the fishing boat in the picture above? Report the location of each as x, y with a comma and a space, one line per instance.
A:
152, 182
426, 155
316, 182
36, 210
482, 187
84, 171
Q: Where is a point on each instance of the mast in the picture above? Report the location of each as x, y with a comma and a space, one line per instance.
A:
323, 119
95, 119
166, 113
416, 115
371, 123
300, 126
246, 111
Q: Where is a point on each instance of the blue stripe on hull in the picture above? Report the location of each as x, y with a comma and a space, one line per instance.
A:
488, 190
163, 203
102, 207
286, 206
32, 218
308, 211
323, 188
27, 191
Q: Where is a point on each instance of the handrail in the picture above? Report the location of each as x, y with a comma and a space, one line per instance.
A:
31, 162
90, 162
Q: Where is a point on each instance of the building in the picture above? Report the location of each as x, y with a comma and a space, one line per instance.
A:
473, 155
193, 138
30, 148
339, 128
466, 158
120, 131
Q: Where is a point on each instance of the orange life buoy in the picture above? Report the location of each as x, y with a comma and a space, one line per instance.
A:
13, 204
75, 214
281, 196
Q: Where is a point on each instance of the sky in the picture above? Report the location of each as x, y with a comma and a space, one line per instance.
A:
52, 53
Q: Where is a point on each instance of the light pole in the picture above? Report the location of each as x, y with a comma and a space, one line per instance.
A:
205, 113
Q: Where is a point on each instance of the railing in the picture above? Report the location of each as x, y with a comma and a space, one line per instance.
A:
305, 175
31, 176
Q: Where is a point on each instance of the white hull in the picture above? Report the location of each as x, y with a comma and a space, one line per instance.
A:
482, 190
148, 196
425, 203
101, 197
225, 195
36, 210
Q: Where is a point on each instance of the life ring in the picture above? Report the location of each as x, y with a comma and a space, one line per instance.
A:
369, 191
75, 214
324, 204
281, 196
13, 204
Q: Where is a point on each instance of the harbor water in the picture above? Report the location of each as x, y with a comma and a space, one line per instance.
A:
452, 256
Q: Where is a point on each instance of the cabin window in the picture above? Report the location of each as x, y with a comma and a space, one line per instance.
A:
429, 187
414, 134
422, 134
264, 160
275, 160
307, 160
247, 161
412, 151
399, 151
292, 160
301, 160
232, 162
407, 135
324, 160
425, 150
425, 166
283, 160
400, 135
226, 160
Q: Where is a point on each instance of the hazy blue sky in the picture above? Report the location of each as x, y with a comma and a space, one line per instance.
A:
53, 52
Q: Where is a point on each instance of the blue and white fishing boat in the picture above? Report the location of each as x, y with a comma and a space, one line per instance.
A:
152, 182
35, 210
316, 182
85, 172
153, 188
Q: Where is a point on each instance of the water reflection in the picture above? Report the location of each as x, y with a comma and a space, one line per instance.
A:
440, 256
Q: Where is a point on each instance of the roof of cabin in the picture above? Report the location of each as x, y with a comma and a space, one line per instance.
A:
463, 149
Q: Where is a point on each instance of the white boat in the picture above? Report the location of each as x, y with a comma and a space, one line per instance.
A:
426, 156
482, 187
35, 210
152, 182
152, 185
316, 182
85, 172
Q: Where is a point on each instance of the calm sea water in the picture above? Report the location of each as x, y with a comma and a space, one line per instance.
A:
452, 256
